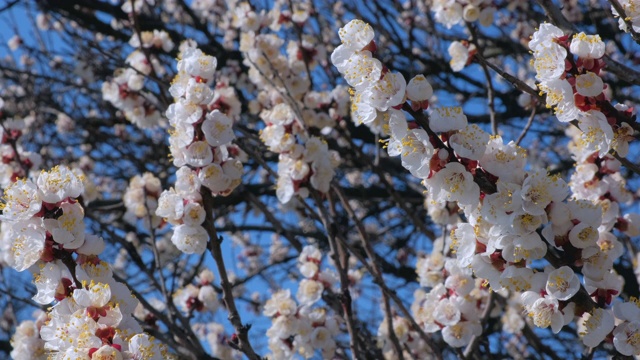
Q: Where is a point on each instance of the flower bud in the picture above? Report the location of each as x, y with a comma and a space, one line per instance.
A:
470, 13
419, 89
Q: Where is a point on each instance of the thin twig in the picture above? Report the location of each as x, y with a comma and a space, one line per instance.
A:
517, 83
242, 331
487, 75
280, 229
628, 164
337, 253
9, 5
397, 198
528, 125
156, 257
378, 279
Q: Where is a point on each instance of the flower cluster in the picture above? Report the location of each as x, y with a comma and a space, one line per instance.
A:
569, 74
303, 329
376, 89
136, 6
26, 342
576, 91
199, 297
126, 90
292, 112
200, 143
16, 162
409, 339
632, 12
92, 312
182, 207
454, 12
454, 304
202, 132
378, 93
141, 200
461, 53
627, 329
545, 304
512, 214
152, 39
315, 281
303, 160
44, 217
599, 181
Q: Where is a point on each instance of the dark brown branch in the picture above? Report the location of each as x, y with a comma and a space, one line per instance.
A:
242, 330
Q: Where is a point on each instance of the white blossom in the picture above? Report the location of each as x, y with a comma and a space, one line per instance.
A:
459, 56
190, 239
454, 183
419, 89
563, 283
594, 326
589, 84
587, 46
447, 119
